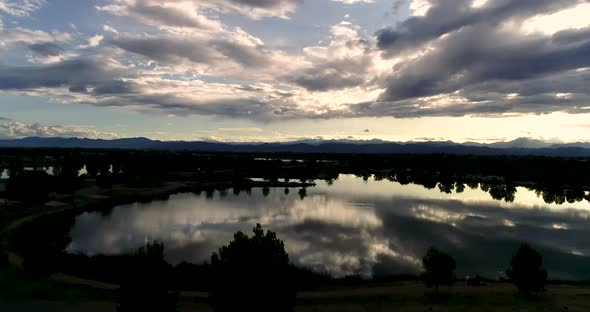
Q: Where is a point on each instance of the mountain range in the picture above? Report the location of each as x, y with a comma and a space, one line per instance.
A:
521, 146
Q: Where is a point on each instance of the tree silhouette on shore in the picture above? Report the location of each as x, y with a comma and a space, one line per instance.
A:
146, 284
438, 269
252, 274
526, 270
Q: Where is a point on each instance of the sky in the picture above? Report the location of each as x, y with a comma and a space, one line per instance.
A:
284, 70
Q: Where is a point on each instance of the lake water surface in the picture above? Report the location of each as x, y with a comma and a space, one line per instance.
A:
354, 227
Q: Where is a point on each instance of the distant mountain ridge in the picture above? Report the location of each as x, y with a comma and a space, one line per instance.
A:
521, 146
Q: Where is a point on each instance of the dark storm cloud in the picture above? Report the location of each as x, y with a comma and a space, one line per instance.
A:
46, 49
238, 107
167, 49
334, 75
78, 75
485, 66
109, 87
482, 55
166, 15
446, 16
196, 50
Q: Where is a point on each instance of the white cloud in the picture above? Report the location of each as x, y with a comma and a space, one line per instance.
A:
110, 29
20, 8
163, 14
571, 18
420, 7
354, 1
93, 41
478, 3
27, 36
11, 129
193, 13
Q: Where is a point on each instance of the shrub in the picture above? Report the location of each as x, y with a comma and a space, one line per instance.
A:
3, 257
526, 270
438, 268
146, 286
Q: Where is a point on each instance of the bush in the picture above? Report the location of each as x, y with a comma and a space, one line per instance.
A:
527, 271
146, 286
252, 274
438, 268
3, 257
30, 186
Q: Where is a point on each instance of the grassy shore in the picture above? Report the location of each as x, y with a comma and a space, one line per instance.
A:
401, 296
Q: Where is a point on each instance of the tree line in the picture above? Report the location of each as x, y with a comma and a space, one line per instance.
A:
561, 180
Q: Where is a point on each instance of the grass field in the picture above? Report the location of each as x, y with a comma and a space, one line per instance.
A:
19, 292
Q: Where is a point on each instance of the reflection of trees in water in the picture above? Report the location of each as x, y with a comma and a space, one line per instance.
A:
498, 187
504, 192
561, 196
302, 193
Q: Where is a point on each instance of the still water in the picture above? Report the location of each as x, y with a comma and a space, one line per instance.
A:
354, 227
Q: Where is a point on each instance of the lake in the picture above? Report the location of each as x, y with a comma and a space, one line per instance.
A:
354, 227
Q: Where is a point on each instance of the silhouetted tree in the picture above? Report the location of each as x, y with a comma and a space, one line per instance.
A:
438, 268
252, 274
302, 193
446, 187
459, 188
42, 243
526, 270
146, 284
30, 186
503, 192
15, 168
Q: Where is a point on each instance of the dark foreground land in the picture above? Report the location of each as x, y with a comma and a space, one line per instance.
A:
53, 295
116, 177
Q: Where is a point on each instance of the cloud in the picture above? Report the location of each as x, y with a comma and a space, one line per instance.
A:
48, 53
253, 8
347, 61
354, 1
20, 8
110, 29
192, 13
77, 75
239, 129
161, 13
462, 60
93, 41
46, 49
448, 58
11, 129
233, 54
26, 36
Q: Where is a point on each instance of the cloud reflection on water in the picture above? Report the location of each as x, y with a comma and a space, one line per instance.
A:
353, 227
